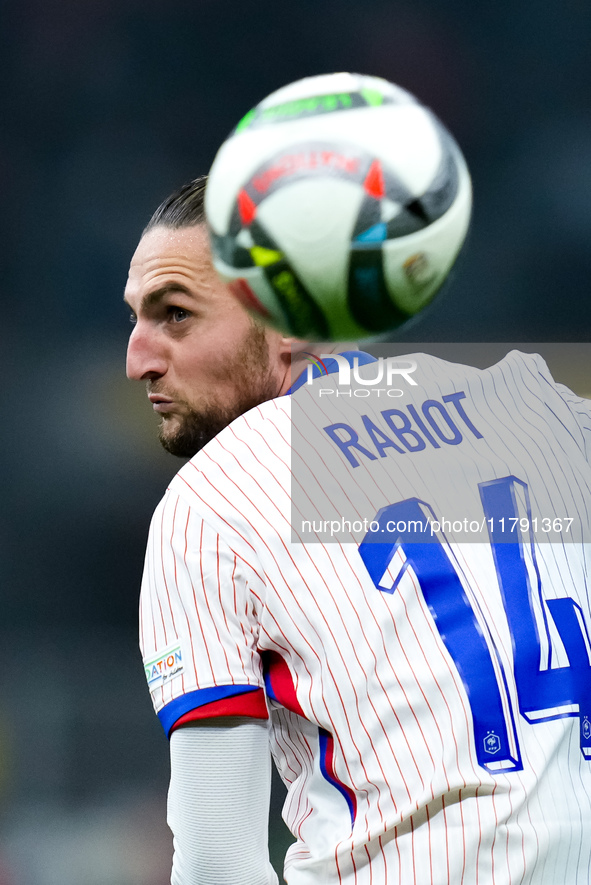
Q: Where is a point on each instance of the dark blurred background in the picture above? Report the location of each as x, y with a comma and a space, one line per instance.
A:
106, 106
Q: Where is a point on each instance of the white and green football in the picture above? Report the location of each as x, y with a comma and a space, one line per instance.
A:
337, 207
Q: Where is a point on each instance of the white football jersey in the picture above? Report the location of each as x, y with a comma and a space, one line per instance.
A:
406, 577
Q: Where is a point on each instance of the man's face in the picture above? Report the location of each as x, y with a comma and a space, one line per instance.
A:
202, 357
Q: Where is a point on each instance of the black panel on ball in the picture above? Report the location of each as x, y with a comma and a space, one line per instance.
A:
443, 189
369, 299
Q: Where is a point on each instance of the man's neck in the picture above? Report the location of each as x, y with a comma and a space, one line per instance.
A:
300, 358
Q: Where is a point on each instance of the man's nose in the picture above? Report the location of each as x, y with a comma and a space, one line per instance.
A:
145, 358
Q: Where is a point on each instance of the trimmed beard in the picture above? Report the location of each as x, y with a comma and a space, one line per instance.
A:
254, 384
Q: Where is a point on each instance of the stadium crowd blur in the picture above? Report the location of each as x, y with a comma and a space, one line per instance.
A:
108, 106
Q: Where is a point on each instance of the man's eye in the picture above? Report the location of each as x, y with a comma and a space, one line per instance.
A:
132, 318
178, 314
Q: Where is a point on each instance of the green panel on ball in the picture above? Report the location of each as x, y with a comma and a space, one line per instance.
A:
304, 317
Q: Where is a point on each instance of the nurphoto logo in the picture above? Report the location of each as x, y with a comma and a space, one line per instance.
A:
363, 380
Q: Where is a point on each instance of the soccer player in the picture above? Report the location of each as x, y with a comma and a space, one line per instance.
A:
382, 577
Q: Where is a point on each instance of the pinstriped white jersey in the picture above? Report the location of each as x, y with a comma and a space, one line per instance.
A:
428, 670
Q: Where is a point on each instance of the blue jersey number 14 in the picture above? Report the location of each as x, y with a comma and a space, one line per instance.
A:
544, 690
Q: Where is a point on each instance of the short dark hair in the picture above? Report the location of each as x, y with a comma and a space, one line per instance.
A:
183, 208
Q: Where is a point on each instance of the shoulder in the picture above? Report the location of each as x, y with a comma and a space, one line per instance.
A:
243, 446
238, 475
519, 375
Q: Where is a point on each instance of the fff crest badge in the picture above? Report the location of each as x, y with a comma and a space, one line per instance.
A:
492, 743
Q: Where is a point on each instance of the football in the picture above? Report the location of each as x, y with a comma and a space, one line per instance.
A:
337, 207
